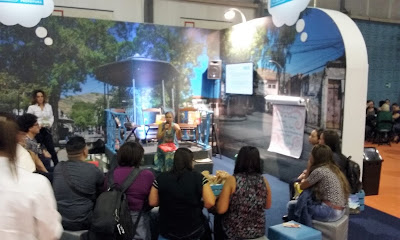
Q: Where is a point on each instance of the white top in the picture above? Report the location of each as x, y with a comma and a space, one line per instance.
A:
45, 116
28, 209
24, 159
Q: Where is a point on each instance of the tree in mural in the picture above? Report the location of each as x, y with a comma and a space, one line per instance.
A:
84, 114
178, 46
79, 46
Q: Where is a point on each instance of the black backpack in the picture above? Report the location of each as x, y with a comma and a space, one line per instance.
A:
111, 216
353, 175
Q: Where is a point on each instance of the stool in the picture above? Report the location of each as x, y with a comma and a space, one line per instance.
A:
333, 230
279, 232
74, 235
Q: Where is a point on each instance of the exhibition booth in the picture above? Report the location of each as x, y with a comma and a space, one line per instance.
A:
266, 82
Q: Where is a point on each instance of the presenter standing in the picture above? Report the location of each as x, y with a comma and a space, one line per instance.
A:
167, 136
44, 112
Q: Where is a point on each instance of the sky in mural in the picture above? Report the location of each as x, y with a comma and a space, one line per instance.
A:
323, 44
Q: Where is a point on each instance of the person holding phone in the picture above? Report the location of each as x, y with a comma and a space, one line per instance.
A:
168, 135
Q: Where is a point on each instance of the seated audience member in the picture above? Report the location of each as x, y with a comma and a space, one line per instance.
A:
396, 121
385, 108
27, 205
371, 109
129, 157
244, 197
181, 194
380, 105
313, 139
29, 125
76, 185
370, 119
326, 190
332, 140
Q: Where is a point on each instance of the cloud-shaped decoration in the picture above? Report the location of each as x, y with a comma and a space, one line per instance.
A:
286, 11
27, 13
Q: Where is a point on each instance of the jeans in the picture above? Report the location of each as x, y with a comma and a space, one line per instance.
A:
319, 211
324, 213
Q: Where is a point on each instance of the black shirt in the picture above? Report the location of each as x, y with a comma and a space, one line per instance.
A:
181, 204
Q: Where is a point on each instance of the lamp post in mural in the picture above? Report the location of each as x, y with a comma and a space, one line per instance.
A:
280, 73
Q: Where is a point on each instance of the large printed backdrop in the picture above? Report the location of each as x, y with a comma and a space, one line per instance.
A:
282, 62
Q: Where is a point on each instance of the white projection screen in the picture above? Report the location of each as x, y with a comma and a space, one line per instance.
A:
239, 78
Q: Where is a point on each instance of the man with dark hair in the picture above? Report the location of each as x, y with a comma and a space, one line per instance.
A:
76, 185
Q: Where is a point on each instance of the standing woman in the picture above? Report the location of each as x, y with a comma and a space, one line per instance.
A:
168, 132
244, 197
28, 208
44, 112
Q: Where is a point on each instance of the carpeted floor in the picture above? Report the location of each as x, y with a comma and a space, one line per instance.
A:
370, 224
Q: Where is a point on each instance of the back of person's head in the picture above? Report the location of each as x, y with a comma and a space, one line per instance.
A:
385, 107
183, 160
26, 121
8, 138
75, 146
319, 132
130, 154
381, 103
322, 155
332, 140
248, 161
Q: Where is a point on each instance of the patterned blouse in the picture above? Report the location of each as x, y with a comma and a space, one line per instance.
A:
327, 186
245, 218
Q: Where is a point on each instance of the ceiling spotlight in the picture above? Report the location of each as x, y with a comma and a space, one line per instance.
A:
230, 14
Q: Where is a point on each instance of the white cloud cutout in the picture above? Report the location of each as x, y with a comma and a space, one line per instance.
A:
288, 12
27, 15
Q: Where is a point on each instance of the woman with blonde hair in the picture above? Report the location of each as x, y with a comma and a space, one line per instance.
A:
28, 208
329, 187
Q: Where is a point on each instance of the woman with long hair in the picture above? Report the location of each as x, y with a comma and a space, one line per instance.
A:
244, 197
168, 133
331, 139
44, 112
28, 208
329, 187
181, 194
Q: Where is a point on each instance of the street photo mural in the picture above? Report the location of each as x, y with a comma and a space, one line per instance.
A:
305, 61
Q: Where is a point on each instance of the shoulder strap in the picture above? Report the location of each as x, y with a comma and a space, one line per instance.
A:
130, 179
71, 186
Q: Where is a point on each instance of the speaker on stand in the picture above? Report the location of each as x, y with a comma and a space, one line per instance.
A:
214, 72
214, 69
